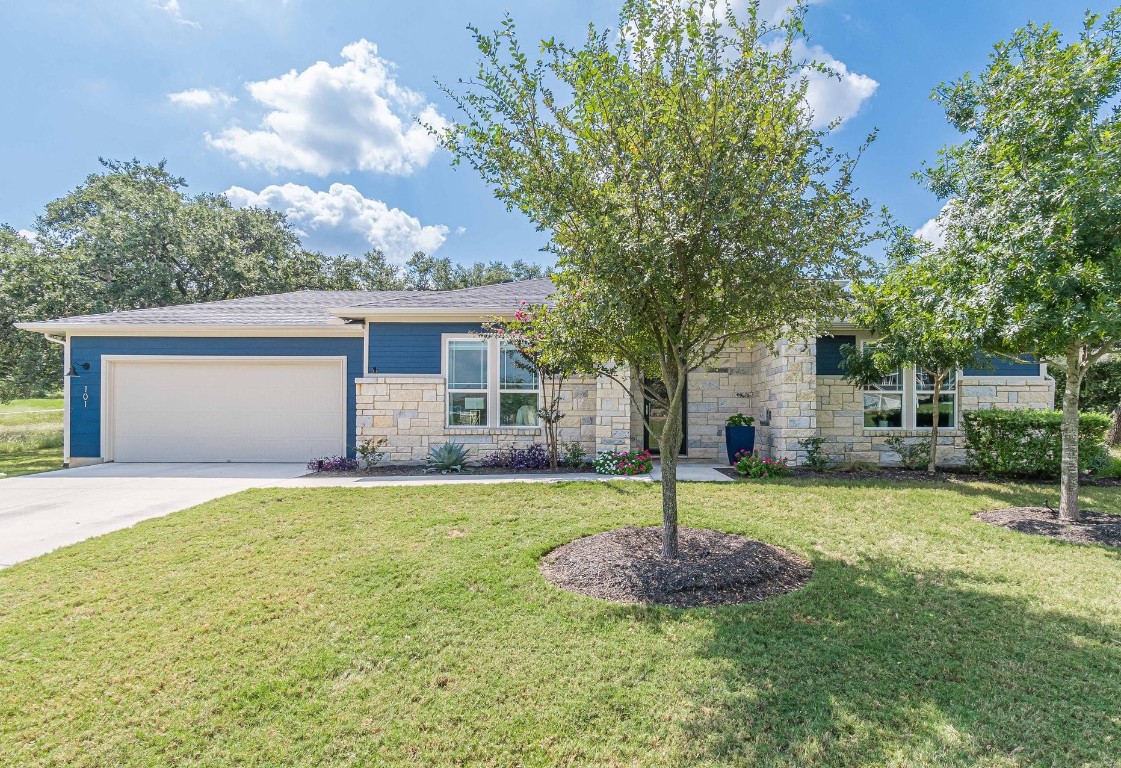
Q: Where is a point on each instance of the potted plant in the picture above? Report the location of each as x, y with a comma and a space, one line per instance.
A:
739, 435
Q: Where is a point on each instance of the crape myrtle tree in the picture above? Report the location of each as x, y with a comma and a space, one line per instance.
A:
1036, 186
911, 311
533, 334
689, 200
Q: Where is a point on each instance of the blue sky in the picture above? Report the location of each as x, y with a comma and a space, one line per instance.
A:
305, 105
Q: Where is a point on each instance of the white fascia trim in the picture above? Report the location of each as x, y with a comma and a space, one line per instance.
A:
413, 314
350, 331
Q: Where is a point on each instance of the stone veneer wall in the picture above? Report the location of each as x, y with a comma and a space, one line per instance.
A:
408, 410
756, 381
840, 416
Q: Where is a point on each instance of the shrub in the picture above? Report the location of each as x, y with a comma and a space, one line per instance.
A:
370, 452
333, 464
815, 454
532, 457
749, 465
575, 455
448, 457
739, 420
624, 463
914, 454
1024, 443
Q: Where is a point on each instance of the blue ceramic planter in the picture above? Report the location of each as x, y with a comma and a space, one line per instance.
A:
739, 439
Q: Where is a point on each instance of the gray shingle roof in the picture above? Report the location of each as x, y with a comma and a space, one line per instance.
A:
313, 308
497, 296
299, 308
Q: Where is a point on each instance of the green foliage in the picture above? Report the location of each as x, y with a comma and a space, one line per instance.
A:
688, 198
749, 465
447, 457
1027, 443
915, 454
370, 452
816, 458
575, 455
30, 366
739, 420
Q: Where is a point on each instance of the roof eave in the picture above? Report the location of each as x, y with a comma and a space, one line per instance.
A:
189, 329
416, 313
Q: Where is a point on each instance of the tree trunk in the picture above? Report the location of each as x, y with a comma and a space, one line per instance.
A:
1068, 488
935, 417
1114, 437
669, 443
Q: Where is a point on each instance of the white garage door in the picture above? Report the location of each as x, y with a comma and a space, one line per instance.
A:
231, 409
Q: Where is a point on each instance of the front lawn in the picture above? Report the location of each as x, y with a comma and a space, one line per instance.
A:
30, 436
412, 627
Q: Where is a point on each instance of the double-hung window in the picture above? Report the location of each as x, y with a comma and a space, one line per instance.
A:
489, 385
905, 400
468, 375
924, 400
883, 400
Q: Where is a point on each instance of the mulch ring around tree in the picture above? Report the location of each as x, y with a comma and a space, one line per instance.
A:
1093, 528
713, 568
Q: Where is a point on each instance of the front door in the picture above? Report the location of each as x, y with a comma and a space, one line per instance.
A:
656, 417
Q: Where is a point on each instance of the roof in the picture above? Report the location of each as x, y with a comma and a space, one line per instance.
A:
306, 309
499, 296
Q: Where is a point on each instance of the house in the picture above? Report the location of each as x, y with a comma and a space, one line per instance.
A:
298, 375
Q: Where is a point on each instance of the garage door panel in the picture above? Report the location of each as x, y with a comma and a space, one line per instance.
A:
232, 410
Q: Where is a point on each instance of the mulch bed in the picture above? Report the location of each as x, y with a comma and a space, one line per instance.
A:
713, 568
410, 470
1094, 528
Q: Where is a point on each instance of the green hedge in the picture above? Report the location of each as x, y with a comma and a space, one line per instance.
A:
1025, 443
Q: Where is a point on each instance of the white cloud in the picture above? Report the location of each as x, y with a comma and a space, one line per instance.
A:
173, 9
200, 98
770, 10
934, 231
461, 230
342, 213
28, 235
832, 97
325, 119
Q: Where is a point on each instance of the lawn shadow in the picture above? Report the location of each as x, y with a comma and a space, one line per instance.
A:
873, 664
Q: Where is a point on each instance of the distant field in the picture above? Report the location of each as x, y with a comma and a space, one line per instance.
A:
30, 436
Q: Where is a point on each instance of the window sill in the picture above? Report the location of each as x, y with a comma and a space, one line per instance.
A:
458, 429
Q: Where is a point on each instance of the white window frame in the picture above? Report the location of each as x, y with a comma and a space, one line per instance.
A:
946, 392
910, 400
903, 418
494, 390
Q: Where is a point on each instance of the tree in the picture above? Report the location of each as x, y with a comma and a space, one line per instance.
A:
432, 273
689, 201
1036, 191
1100, 391
910, 308
529, 333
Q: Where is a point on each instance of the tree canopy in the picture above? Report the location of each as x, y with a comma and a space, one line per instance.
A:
689, 201
1035, 198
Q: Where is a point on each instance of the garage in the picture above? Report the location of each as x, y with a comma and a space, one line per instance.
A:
219, 409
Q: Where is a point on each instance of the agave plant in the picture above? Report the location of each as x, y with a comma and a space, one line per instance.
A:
449, 457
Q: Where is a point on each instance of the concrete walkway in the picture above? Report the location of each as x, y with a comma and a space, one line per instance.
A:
39, 513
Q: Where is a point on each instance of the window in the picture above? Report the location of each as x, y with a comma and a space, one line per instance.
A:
883, 402
924, 401
517, 393
489, 385
905, 400
467, 382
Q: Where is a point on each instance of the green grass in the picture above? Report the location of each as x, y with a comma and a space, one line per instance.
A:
30, 436
410, 626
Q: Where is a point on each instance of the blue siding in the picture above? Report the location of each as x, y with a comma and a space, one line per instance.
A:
411, 347
829, 354
1002, 366
85, 417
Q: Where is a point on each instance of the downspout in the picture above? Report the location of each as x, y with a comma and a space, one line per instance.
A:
65, 344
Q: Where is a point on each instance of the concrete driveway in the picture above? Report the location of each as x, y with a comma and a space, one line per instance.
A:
42, 512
